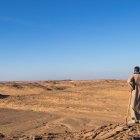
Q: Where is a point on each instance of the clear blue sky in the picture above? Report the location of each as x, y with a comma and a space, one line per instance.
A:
69, 39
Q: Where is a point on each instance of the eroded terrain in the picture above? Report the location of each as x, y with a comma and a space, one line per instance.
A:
42, 108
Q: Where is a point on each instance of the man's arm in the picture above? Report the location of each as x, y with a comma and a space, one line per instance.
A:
131, 82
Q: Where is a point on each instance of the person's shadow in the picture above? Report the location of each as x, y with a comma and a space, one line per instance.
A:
136, 138
3, 96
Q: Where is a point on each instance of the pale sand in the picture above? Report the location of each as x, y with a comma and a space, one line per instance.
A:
39, 108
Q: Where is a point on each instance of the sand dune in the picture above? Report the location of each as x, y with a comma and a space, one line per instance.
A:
56, 107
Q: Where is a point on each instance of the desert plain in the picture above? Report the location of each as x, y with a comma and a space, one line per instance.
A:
42, 108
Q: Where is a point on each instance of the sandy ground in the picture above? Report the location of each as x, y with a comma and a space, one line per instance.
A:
67, 108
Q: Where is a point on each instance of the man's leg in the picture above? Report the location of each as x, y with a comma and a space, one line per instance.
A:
137, 116
132, 111
133, 114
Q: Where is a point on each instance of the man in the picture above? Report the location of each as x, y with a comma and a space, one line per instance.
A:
134, 83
